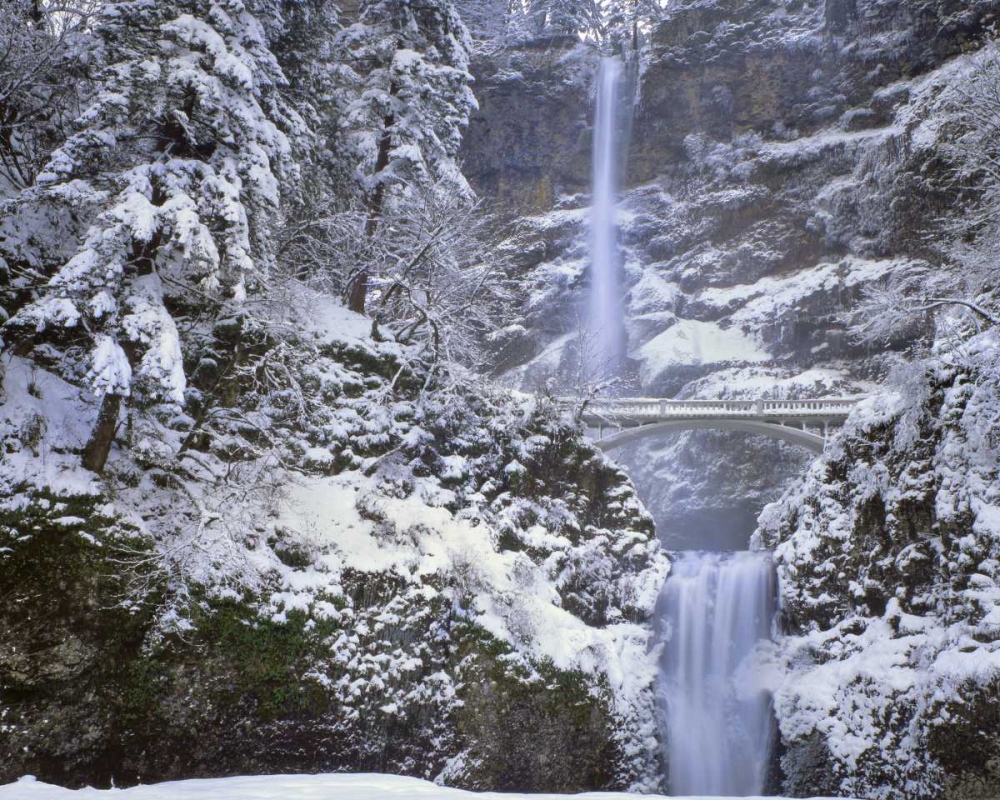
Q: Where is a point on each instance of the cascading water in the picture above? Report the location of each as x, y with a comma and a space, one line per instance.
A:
714, 608
717, 725
606, 303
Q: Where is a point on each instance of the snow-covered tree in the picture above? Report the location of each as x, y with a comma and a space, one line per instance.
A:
616, 24
491, 23
442, 278
407, 71
975, 153
303, 39
624, 21
40, 82
565, 16
520, 20
180, 156
969, 281
897, 307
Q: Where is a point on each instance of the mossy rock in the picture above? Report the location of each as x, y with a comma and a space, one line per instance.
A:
966, 743
69, 628
528, 726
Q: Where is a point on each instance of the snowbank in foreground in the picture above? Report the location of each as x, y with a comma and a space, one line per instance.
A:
282, 787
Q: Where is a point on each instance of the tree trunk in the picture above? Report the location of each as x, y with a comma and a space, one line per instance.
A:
95, 454
357, 297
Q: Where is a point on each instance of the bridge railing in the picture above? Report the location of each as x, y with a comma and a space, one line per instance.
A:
650, 407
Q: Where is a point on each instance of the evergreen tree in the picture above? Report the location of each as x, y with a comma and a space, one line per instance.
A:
303, 38
566, 16
409, 79
44, 82
624, 21
40, 77
180, 156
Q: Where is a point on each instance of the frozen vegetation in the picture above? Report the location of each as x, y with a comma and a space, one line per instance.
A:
292, 295
887, 557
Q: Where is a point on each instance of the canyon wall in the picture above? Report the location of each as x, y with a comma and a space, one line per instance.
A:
781, 159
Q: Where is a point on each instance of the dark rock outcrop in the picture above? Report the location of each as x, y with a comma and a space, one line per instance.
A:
788, 69
529, 141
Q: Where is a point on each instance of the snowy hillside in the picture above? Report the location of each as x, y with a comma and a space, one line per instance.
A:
887, 557
399, 538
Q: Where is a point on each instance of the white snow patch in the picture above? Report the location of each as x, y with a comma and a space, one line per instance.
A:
281, 787
690, 342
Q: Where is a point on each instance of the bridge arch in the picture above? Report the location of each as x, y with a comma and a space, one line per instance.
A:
796, 436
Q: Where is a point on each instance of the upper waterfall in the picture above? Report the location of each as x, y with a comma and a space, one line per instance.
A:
607, 317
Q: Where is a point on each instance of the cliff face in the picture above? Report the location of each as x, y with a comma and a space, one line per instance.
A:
529, 142
781, 160
789, 68
885, 682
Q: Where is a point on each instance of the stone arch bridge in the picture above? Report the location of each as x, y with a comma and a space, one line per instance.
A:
806, 423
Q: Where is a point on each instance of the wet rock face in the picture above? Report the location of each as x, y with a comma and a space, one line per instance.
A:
529, 142
773, 66
742, 470
66, 637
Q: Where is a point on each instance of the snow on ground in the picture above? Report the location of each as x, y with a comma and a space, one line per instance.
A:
809, 148
39, 407
777, 382
752, 305
693, 342
282, 787
326, 507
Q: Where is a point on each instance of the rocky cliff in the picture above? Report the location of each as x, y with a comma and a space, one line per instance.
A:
781, 159
885, 682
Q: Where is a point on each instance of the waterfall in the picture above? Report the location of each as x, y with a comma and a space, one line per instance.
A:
713, 610
607, 314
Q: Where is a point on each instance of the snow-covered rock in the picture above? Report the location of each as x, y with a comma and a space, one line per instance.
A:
372, 568
887, 551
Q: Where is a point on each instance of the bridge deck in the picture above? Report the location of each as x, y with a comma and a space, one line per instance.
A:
637, 418
626, 412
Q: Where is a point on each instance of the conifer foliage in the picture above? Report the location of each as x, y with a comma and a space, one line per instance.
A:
406, 66
182, 155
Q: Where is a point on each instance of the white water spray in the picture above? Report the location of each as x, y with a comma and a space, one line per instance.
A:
606, 302
713, 610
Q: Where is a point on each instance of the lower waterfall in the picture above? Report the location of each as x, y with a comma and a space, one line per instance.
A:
716, 724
